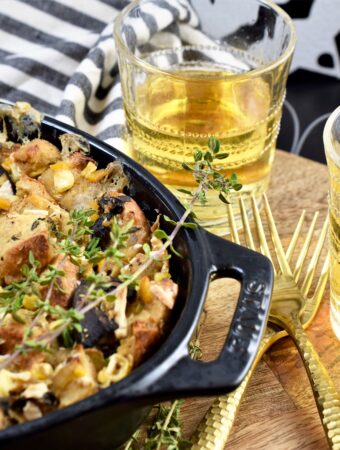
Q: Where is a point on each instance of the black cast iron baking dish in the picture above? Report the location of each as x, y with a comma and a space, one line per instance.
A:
107, 419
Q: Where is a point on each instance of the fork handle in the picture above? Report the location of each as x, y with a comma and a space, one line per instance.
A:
326, 395
214, 429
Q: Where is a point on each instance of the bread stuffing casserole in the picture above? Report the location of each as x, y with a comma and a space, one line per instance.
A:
69, 237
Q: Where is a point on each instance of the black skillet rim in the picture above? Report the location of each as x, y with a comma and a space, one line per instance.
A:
175, 345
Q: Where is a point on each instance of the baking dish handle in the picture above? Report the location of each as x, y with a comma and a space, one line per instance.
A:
188, 377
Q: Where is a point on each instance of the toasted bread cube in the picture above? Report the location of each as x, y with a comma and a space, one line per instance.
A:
146, 335
20, 235
64, 286
35, 157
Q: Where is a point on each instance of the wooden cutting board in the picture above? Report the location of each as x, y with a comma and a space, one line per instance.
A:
278, 411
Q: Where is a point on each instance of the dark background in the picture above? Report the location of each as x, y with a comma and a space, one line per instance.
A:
312, 96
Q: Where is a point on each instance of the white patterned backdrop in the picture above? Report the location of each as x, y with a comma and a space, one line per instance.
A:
313, 89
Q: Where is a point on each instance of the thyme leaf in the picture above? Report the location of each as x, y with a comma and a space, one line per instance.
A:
79, 245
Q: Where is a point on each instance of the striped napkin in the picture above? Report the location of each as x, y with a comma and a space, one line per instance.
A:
59, 55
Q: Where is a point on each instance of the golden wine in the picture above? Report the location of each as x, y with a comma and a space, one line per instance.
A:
334, 213
174, 115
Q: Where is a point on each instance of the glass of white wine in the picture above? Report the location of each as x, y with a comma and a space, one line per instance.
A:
331, 137
219, 69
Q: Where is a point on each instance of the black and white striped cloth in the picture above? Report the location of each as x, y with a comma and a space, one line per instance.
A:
59, 55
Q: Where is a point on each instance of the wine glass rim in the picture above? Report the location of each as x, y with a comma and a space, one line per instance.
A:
250, 73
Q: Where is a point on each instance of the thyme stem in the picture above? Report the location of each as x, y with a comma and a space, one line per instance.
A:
206, 177
152, 257
166, 423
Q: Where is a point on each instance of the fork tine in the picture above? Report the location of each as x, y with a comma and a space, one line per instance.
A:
314, 260
233, 230
295, 237
323, 278
304, 250
246, 226
260, 231
281, 257
311, 306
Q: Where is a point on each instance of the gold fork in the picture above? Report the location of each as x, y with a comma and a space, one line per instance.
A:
216, 426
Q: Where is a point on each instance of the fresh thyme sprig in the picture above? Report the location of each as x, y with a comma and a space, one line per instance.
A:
83, 249
72, 245
72, 242
29, 290
67, 320
166, 428
132, 443
208, 175
100, 282
12, 296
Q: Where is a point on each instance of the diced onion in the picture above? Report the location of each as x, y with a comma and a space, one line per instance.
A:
38, 212
118, 367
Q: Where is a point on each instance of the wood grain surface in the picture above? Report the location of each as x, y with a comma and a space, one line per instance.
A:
278, 411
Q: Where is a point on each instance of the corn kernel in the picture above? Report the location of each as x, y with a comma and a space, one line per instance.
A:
30, 302
101, 264
79, 371
144, 292
90, 168
5, 204
7, 164
63, 180
61, 165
